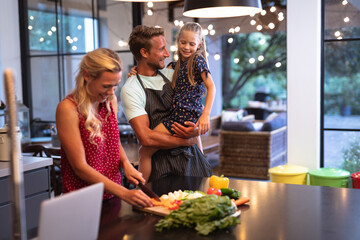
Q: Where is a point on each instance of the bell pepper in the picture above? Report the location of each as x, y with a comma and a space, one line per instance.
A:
175, 204
218, 182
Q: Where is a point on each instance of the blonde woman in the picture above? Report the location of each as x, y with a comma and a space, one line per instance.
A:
87, 127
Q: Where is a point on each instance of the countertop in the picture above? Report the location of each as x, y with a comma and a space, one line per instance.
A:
29, 163
276, 211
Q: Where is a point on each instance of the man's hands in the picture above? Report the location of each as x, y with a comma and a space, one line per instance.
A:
190, 131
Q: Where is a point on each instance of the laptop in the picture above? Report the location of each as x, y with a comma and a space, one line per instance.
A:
74, 215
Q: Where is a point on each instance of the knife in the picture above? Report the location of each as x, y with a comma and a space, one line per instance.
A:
148, 192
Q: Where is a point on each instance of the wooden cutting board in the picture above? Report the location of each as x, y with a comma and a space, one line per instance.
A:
157, 210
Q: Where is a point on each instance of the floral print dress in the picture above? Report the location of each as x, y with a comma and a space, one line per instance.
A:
187, 104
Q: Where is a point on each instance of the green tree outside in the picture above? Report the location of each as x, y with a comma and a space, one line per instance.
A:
241, 79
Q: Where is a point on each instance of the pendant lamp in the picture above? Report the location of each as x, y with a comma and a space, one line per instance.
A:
145, 0
220, 8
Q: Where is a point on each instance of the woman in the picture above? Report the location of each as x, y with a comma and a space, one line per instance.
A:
87, 127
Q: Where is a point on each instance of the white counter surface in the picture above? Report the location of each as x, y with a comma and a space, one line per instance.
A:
29, 163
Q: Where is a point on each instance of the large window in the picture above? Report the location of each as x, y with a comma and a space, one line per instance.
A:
254, 63
57, 35
341, 85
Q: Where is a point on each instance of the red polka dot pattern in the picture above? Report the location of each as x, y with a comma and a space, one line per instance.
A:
104, 157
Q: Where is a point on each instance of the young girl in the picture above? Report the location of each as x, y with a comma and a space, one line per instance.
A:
190, 76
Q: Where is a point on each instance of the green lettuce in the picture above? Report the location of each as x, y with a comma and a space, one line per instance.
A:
205, 214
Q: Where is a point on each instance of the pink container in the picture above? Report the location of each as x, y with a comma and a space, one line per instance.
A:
355, 179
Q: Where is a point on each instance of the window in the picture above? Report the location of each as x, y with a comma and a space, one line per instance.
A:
254, 62
57, 35
341, 85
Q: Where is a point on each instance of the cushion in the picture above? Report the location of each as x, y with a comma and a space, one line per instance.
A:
231, 116
243, 126
258, 125
271, 116
276, 123
250, 117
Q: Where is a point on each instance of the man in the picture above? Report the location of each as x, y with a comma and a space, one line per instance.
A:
147, 98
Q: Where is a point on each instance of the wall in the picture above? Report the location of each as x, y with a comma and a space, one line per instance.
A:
10, 44
303, 81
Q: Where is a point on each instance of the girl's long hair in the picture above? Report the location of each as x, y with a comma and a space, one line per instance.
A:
94, 64
197, 30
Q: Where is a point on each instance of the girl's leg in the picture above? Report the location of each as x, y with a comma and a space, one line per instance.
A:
145, 154
198, 142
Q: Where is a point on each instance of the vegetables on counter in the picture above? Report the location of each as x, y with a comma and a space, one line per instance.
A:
218, 182
182, 195
241, 201
173, 200
215, 191
205, 214
231, 193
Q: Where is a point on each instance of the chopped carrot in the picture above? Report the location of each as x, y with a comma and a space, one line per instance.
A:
167, 203
157, 203
241, 201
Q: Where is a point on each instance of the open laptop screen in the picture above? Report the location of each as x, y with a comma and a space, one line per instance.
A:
74, 215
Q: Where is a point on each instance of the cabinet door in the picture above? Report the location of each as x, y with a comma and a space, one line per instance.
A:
37, 189
32, 205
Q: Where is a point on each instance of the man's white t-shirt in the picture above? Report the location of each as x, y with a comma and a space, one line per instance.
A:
133, 95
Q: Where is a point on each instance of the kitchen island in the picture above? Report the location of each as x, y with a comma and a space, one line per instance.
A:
276, 211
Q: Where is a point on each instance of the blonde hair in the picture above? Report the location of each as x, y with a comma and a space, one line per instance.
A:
94, 63
197, 30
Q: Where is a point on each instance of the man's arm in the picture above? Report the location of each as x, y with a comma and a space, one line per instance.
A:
151, 138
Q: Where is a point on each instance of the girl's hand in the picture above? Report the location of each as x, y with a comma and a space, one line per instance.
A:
137, 197
133, 175
203, 123
132, 72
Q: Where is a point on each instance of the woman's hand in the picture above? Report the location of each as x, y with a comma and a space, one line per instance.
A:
133, 175
203, 123
137, 197
132, 72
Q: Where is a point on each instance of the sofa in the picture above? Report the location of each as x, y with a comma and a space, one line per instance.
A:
248, 149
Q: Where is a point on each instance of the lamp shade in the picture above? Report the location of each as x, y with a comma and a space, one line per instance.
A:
146, 0
220, 8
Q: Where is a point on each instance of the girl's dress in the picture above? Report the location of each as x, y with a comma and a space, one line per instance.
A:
187, 104
104, 157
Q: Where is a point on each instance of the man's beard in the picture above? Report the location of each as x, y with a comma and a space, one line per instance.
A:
155, 66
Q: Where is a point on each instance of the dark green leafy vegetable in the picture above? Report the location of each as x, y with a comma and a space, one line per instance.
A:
205, 214
231, 193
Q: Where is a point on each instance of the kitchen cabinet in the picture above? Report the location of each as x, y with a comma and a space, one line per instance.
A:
36, 189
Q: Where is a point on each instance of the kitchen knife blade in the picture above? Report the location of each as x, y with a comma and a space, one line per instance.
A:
148, 192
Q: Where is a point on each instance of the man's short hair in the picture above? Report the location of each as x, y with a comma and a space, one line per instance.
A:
141, 37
